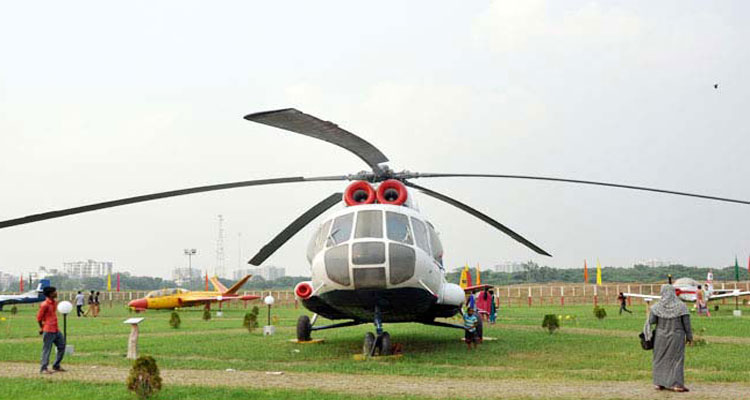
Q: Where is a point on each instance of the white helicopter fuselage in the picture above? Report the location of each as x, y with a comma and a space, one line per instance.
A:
379, 255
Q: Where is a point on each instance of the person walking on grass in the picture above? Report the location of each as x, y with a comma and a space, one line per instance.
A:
470, 328
96, 304
47, 318
79, 304
673, 331
623, 303
90, 302
493, 308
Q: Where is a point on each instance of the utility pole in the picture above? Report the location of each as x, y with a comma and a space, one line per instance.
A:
220, 259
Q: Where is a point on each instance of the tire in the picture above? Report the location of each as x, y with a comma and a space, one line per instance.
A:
304, 328
368, 343
385, 344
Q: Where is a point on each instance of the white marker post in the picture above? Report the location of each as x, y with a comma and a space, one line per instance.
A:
133, 340
64, 308
269, 329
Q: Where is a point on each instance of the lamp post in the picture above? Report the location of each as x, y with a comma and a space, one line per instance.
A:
268, 329
190, 253
64, 308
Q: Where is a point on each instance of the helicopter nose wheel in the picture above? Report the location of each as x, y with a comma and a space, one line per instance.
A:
304, 328
380, 345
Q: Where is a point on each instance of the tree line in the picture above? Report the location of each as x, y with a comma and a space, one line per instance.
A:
531, 272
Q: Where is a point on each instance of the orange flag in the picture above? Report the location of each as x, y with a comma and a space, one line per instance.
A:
207, 281
585, 272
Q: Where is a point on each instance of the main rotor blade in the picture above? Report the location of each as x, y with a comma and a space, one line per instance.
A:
481, 216
295, 227
296, 121
161, 195
577, 181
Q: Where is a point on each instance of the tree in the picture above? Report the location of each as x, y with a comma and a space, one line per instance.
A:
144, 379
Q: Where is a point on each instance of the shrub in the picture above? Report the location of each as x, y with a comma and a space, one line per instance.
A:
716, 307
174, 320
551, 323
600, 313
251, 319
14, 310
206, 314
144, 379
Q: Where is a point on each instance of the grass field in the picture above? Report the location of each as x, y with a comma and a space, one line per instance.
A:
582, 355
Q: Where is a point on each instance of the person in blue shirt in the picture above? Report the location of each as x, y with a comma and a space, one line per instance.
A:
470, 327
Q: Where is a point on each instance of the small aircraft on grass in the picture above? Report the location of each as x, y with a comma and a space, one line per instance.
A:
33, 296
687, 290
377, 260
178, 297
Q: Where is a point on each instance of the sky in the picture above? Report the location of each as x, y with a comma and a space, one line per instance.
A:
102, 100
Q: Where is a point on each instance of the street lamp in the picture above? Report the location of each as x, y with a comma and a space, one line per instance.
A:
190, 253
269, 329
64, 308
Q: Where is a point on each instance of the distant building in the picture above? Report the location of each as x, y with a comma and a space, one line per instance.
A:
7, 280
508, 266
87, 269
45, 272
267, 272
183, 275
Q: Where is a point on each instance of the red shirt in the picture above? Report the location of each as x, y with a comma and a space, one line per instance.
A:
47, 315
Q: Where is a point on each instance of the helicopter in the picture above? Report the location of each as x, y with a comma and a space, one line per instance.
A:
379, 259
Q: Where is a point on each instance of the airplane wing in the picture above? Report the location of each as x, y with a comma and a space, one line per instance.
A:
642, 296
735, 293
477, 287
188, 300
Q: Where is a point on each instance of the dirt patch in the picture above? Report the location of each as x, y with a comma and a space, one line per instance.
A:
367, 385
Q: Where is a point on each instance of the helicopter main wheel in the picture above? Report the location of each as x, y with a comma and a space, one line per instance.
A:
385, 344
304, 328
369, 343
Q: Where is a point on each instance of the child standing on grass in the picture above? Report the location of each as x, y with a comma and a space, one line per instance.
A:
47, 318
470, 327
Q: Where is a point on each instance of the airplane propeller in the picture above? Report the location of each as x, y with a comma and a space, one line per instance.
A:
296, 121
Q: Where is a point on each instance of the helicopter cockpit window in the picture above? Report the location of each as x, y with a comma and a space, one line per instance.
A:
369, 224
317, 242
337, 264
437, 247
341, 229
398, 227
420, 235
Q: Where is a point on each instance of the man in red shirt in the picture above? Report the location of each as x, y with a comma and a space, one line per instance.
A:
47, 318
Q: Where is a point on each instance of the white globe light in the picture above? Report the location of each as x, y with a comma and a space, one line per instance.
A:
219, 298
269, 300
64, 307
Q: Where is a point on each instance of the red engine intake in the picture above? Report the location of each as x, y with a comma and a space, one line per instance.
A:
303, 290
392, 192
359, 192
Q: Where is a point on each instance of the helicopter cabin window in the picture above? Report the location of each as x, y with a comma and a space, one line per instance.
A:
398, 227
420, 235
337, 264
341, 229
366, 253
316, 243
369, 224
401, 261
437, 247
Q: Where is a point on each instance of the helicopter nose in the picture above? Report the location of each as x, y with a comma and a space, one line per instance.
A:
138, 304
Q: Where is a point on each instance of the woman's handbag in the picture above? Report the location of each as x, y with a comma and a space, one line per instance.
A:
647, 344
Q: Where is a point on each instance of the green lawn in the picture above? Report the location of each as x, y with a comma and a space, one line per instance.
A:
523, 349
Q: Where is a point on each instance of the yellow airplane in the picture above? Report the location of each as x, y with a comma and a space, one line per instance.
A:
178, 297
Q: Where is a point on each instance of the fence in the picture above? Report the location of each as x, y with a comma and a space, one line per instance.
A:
572, 294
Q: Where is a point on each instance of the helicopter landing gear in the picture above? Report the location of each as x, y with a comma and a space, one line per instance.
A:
380, 344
